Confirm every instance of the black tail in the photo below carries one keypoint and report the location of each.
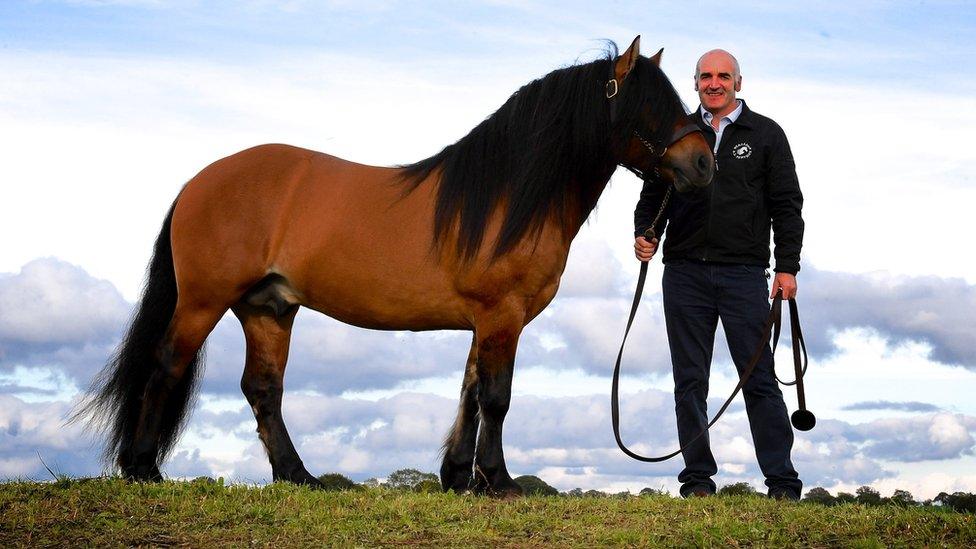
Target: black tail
(115, 399)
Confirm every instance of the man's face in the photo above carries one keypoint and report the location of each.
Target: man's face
(716, 83)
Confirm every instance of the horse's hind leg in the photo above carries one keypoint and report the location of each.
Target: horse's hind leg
(267, 330)
(497, 341)
(168, 391)
(460, 442)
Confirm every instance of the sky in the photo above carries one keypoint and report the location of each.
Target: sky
(108, 107)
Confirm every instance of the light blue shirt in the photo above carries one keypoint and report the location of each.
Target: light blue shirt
(726, 120)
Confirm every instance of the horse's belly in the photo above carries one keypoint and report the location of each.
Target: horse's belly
(384, 299)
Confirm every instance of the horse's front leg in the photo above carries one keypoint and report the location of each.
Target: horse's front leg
(460, 442)
(497, 341)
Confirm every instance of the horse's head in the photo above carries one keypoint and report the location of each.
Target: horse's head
(652, 130)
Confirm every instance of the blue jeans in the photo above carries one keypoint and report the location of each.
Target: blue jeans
(696, 296)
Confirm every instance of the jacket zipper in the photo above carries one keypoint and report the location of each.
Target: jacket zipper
(711, 191)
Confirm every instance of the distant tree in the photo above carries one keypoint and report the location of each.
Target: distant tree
(653, 492)
(959, 501)
(575, 493)
(845, 497)
(594, 494)
(336, 482)
(868, 496)
(408, 479)
(903, 498)
(372, 482)
(737, 489)
(621, 495)
(820, 495)
(965, 502)
(535, 486)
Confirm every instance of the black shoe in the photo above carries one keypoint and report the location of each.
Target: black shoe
(783, 494)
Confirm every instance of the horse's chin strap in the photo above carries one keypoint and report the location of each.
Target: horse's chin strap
(802, 419)
(641, 175)
(657, 156)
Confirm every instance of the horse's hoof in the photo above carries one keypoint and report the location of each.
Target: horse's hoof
(300, 477)
(506, 490)
(456, 478)
(502, 488)
(142, 473)
(479, 485)
(459, 486)
(312, 482)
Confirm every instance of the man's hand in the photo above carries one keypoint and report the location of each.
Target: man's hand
(643, 249)
(787, 282)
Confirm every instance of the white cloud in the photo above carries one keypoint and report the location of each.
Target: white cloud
(928, 485)
(53, 302)
(592, 270)
(567, 441)
(34, 434)
(592, 329)
(929, 437)
(38, 384)
(949, 431)
(929, 309)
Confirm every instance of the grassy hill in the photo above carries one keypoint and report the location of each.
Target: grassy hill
(113, 512)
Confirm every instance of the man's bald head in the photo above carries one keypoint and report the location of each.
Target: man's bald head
(718, 53)
(717, 79)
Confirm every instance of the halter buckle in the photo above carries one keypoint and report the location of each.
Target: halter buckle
(611, 88)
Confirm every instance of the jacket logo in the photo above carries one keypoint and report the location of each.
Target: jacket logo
(742, 150)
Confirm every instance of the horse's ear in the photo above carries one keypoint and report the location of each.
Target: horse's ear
(626, 62)
(656, 58)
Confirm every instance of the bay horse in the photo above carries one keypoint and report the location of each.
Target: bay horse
(474, 238)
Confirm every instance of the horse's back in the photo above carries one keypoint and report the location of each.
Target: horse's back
(347, 238)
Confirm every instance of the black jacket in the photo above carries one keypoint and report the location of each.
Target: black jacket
(754, 189)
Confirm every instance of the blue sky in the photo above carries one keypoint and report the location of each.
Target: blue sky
(106, 108)
(916, 43)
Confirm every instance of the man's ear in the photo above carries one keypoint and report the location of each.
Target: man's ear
(656, 58)
(625, 63)
(738, 84)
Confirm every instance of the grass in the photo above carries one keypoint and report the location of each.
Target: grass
(112, 512)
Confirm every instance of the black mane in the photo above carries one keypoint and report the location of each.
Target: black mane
(544, 151)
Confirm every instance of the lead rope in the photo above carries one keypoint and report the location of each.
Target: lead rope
(802, 419)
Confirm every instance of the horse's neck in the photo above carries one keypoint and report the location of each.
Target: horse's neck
(578, 211)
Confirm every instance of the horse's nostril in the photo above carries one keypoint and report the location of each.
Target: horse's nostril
(702, 163)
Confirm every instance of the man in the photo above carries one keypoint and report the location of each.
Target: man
(715, 256)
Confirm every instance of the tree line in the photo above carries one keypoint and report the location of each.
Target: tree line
(418, 481)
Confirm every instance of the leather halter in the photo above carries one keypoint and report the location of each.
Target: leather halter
(612, 89)
(690, 127)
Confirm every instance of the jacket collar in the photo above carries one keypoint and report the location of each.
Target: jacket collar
(746, 119)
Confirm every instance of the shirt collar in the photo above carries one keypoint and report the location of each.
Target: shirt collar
(731, 117)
